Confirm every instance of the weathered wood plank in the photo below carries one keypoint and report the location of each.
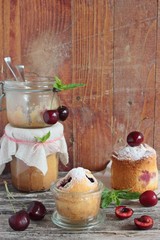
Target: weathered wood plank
(11, 31)
(92, 58)
(6, 11)
(134, 68)
(46, 41)
(157, 102)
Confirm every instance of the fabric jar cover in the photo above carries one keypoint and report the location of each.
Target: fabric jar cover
(22, 144)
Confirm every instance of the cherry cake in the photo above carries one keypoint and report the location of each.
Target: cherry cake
(134, 166)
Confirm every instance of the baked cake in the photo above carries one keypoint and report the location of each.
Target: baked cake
(78, 180)
(77, 196)
(134, 167)
(31, 179)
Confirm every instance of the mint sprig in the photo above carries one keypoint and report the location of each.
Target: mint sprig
(44, 138)
(115, 197)
(58, 85)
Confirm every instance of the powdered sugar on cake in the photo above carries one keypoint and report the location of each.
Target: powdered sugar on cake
(76, 175)
(135, 153)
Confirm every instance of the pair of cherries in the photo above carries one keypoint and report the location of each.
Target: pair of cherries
(144, 222)
(20, 220)
(147, 199)
(53, 116)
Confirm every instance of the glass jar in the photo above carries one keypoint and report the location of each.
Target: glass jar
(31, 179)
(27, 101)
(71, 211)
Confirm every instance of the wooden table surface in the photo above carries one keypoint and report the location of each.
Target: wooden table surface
(112, 228)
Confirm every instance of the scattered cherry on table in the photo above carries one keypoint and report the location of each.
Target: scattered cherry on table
(144, 222)
(19, 221)
(36, 210)
(148, 198)
(123, 212)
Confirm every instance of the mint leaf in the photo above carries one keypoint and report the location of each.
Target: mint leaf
(128, 195)
(60, 86)
(58, 83)
(106, 198)
(115, 197)
(44, 138)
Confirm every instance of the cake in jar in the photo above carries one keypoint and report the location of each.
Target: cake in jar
(77, 196)
(31, 179)
(134, 166)
(34, 155)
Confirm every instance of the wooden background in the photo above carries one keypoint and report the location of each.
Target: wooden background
(113, 46)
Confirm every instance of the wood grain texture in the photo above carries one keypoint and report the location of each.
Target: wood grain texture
(46, 41)
(134, 68)
(111, 229)
(5, 25)
(111, 46)
(157, 102)
(92, 64)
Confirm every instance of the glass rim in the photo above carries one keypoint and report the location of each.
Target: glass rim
(29, 86)
(54, 189)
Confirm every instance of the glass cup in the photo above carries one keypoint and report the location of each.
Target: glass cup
(77, 210)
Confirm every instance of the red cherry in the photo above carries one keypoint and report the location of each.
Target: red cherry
(36, 210)
(148, 198)
(144, 222)
(123, 212)
(51, 116)
(135, 138)
(63, 113)
(19, 221)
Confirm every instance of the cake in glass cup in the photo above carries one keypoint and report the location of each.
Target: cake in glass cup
(77, 197)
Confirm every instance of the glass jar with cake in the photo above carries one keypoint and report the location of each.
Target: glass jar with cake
(27, 101)
(34, 155)
(29, 178)
(77, 199)
(35, 103)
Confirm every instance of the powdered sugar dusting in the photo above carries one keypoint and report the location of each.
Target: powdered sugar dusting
(77, 173)
(135, 153)
(77, 176)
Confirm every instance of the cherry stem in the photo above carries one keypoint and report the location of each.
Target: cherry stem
(55, 94)
(9, 195)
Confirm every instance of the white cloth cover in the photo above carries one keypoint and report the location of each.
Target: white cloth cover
(22, 144)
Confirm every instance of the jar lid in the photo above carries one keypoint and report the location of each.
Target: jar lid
(22, 143)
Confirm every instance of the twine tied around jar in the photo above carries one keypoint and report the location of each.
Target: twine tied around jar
(36, 144)
(22, 144)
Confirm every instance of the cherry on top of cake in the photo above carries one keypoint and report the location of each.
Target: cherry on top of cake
(135, 149)
(135, 138)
